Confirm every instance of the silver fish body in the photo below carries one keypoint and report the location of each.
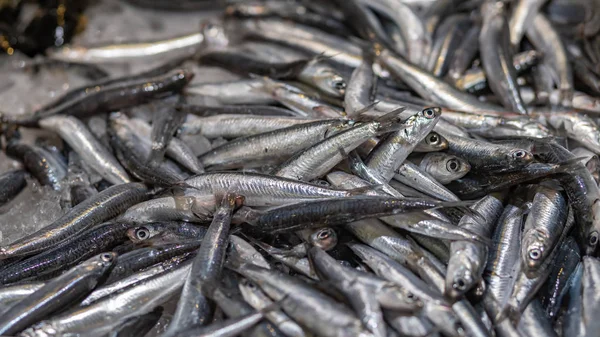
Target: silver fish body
(443, 167)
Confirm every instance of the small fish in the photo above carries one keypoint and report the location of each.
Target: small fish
(11, 184)
(443, 167)
(45, 167)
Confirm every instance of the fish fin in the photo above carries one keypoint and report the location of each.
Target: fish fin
(361, 113)
(391, 121)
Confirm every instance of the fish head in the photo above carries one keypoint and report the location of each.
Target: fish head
(436, 142)
(325, 238)
(329, 81)
(456, 167)
(459, 277)
(142, 233)
(534, 250)
(592, 242)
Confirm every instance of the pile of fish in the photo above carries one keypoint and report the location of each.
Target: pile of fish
(378, 168)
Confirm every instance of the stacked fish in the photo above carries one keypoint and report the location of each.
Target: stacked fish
(380, 168)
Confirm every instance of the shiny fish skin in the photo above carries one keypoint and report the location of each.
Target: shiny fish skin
(76, 134)
(494, 44)
(11, 183)
(100, 207)
(543, 227)
(194, 308)
(522, 18)
(262, 189)
(173, 208)
(166, 231)
(61, 291)
(468, 259)
(360, 89)
(234, 126)
(432, 142)
(66, 254)
(266, 148)
(9, 295)
(106, 314)
(413, 176)
(392, 150)
(40, 163)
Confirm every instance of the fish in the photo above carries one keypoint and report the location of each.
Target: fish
(50, 298)
(12, 182)
(78, 136)
(444, 168)
(40, 163)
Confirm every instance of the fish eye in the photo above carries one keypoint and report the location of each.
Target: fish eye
(142, 233)
(106, 257)
(339, 85)
(535, 254)
(324, 234)
(519, 154)
(593, 239)
(452, 165)
(429, 113)
(460, 284)
(433, 138)
(321, 182)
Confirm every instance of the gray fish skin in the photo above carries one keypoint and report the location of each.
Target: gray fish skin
(193, 307)
(360, 90)
(246, 91)
(591, 284)
(307, 306)
(234, 126)
(56, 294)
(101, 207)
(165, 123)
(40, 163)
(468, 259)
(228, 328)
(503, 259)
(320, 158)
(168, 232)
(535, 323)
(573, 317)
(494, 45)
(556, 288)
(176, 148)
(543, 228)
(325, 238)
(137, 278)
(297, 262)
(432, 88)
(269, 148)
(361, 299)
(392, 150)
(261, 189)
(9, 295)
(103, 316)
(11, 183)
(358, 167)
(78, 180)
(323, 77)
(241, 252)
(76, 134)
(172, 208)
(522, 18)
(413, 176)
(542, 34)
(486, 156)
(444, 167)
(259, 300)
(464, 55)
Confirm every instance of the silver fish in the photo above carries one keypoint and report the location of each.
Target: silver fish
(444, 167)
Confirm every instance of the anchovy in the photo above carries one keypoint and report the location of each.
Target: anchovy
(173, 208)
(240, 252)
(443, 167)
(131, 280)
(10, 295)
(494, 44)
(115, 96)
(77, 135)
(245, 91)
(522, 18)
(392, 150)
(260, 110)
(54, 295)
(271, 147)
(360, 90)
(307, 306)
(46, 168)
(331, 212)
(259, 300)
(358, 167)
(297, 262)
(557, 285)
(11, 184)
(468, 259)
(100, 207)
(543, 227)
(193, 307)
(503, 258)
(104, 315)
(67, 254)
(164, 125)
(430, 87)
(464, 55)
(413, 176)
(234, 126)
(534, 321)
(138, 326)
(79, 181)
(227, 328)
(138, 259)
